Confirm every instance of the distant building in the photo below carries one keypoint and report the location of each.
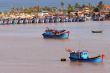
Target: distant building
(106, 9)
(43, 13)
(86, 9)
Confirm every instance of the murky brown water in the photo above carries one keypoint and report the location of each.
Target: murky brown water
(23, 49)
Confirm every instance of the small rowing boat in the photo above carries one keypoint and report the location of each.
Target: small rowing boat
(97, 31)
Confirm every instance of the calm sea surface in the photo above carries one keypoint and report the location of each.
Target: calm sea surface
(23, 49)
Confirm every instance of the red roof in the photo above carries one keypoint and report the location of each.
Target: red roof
(106, 6)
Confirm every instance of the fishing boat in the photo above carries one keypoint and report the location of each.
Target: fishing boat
(83, 56)
(59, 34)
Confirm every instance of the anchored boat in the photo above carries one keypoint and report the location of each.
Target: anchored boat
(83, 56)
(52, 33)
(97, 31)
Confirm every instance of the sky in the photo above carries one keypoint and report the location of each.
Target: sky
(6, 4)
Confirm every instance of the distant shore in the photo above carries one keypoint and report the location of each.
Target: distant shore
(46, 14)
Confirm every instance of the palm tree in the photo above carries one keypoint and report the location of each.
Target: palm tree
(62, 4)
(96, 9)
(100, 5)
(77, 5)
(54, 9)
(90, 5)
(38, 5)
(70, 8)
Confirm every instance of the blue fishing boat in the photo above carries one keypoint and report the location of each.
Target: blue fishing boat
(83, 56)
(46, 20)
(51, 20)
(70, 19)
(62, 20)
(59, 34)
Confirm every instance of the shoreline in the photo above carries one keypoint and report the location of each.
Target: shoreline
(45, 21)
(52, 23)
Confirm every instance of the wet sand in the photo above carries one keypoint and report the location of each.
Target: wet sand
(23, 49)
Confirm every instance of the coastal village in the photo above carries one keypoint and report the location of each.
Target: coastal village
(73, 13)
(54, 36)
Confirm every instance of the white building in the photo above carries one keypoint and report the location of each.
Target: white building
(43, 13)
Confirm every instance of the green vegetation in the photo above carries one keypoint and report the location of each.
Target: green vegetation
(77, 7)
(69, 8)
(99, 7)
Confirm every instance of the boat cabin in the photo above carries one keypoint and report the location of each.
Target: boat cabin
(80, 55)
(54, 31)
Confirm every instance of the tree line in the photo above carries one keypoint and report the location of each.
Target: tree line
(70, 8)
